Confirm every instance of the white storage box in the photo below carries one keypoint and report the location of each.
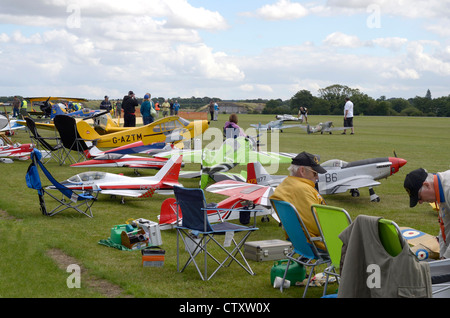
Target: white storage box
(152, 230)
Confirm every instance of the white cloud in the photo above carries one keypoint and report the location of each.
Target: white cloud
(282, 10)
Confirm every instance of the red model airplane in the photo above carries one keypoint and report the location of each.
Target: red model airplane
(242, 196)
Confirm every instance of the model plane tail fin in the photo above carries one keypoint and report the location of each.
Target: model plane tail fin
(86, 131)
(170, 171)
(168, 215)
(56, 110)
(256, 174)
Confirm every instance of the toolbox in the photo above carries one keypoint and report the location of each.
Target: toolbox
(153, 256)
(269, 250)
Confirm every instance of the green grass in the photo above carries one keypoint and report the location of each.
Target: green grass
(27, 271)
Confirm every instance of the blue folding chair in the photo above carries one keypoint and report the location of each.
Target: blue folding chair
(307, 253)
(70, 199)
(196, 232)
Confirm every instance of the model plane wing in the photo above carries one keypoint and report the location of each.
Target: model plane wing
(240, 191)
(348, 184)
(126, 193)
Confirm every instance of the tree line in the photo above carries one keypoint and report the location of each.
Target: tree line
(331, 101)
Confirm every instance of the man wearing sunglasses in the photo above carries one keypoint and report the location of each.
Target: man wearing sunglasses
(299, 190)
(422, 186)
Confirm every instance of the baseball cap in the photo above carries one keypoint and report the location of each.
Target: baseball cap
(130, 93)
(413, 182)
(309, 160)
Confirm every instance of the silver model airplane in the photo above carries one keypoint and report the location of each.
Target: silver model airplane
(326, 127)
(275, 125)
(341, 176)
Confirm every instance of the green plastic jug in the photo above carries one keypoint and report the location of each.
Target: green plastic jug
(296, 272)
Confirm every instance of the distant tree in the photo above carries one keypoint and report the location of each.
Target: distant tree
(301, 98)
(428, 94)
(271, 106)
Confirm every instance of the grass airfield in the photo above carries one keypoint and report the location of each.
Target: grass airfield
(36, 250)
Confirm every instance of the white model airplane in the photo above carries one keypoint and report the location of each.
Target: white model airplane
(119, 185)
(287, 117)
(275, 125)
(341, 176)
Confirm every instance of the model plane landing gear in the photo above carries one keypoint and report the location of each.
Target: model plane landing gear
(354, 192)
(265, 219)
(373, 196)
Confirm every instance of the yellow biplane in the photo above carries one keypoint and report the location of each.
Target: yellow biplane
(169, 129)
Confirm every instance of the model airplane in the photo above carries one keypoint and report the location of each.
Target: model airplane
(105, 124)
(120, 160)
(240, 150)
(8, 125)
(341, 176)
(17, 151)
(45, 103)
(287, 117)
(119, 185)
(423, 245)
(242, 197)
(274, 125)
(326, 127)
(168, 129)
(82, 113)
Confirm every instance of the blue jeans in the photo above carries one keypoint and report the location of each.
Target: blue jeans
(147, 119)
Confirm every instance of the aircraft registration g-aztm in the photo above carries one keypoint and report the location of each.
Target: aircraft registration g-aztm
(169, 129)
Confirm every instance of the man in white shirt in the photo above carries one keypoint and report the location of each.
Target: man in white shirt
(348, 115)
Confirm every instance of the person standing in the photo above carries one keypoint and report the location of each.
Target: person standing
(216, 111)
(423, 186)
(348, 115)
(129, 104)
(303, 114)
(24, 109)
(146, 106)
(165, 108)
(176, 107)
(211, 109)
(16, 106)
(106, 104)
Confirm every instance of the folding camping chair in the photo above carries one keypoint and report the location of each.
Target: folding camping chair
(56, 149)
(71, 140)
(195, 223)
(391, 236)
(303, 244)
(70, 199)
(331, 221)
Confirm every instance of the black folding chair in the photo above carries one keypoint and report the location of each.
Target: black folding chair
(55, 149)
(70, 199)
(70, 138)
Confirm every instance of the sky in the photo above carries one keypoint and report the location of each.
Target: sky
(245, 49)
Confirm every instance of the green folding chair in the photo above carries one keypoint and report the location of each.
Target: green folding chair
(390, 236)
(331, 221)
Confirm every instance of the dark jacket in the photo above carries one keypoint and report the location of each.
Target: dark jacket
(129, 104)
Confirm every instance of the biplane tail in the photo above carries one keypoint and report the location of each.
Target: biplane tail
(56, 110)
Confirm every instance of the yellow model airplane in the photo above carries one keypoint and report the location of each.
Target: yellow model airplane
(169, 129)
